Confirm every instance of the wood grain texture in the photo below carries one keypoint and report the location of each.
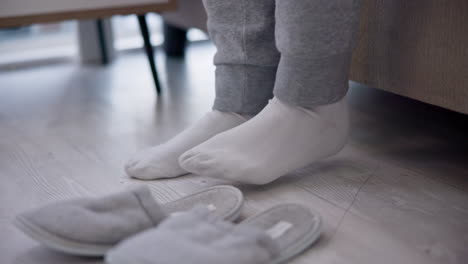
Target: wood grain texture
(397, 193)
(416, 49)
(394, 197)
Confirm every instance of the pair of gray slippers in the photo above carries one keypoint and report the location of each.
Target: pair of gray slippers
(132, 228)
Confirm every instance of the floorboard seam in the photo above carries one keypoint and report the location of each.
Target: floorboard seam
(354, 199)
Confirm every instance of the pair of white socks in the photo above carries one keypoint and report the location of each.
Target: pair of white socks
(257, 150)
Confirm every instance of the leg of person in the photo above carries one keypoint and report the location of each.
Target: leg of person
(307, 120)
(246, 63)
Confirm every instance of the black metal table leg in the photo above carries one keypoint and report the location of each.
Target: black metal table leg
(102, 41)
(149, 50)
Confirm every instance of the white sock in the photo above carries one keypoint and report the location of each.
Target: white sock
(278, 140)
(161, 161)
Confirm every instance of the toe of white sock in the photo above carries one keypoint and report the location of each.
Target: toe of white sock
(189, 161)
(135, 171)
(129, 164)
(197, 163)
(142, 172)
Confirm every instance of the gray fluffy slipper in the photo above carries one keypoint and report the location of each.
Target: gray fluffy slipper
(91, 226)
(271, 237)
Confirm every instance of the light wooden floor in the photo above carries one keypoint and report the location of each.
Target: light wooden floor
(398, 193)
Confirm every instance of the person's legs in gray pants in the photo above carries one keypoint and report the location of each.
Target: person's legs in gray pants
(246, 59)
(307, 120)
(315, 38)
(297, 50)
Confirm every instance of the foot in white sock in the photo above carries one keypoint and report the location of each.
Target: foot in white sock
(161, 161)
(278, 140)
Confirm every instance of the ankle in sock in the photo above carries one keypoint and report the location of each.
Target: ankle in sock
(278, 140)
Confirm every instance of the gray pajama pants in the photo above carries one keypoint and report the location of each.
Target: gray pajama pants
(296, 50)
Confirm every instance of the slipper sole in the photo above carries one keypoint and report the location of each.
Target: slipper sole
(58, 243)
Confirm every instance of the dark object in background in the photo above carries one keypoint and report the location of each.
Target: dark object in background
(175, 40)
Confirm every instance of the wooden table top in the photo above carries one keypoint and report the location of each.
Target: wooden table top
(23, 12)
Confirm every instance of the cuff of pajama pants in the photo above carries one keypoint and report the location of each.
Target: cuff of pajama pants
(312, 82)
(243, 89)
